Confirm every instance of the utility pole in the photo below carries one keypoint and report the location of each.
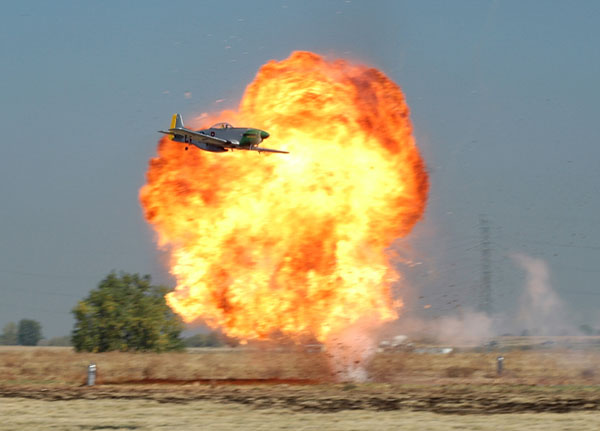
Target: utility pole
(485, 294)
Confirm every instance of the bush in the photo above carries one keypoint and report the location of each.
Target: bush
(203, 340)
(9, 334)
(126, 312)
(63, 341)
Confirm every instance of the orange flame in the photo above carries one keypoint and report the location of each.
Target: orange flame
(295, 243)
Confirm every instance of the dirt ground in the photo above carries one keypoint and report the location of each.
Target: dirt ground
(123, 414)
(328, 398)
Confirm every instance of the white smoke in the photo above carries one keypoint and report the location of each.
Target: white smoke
(469, 327)
(465, 328)
(350, 351)
(540, 308)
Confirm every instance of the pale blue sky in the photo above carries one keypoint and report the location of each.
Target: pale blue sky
(503, 96)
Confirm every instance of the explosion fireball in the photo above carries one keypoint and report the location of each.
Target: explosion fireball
(265, 245)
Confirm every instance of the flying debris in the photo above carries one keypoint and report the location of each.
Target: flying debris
(219, 138)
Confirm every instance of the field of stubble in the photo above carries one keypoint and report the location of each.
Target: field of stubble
(222, 389)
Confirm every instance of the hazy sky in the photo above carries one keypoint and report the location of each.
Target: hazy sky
(503, 97)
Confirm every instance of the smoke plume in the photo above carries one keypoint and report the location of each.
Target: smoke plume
(541, 310)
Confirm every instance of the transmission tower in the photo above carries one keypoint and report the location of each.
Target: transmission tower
(485, 294)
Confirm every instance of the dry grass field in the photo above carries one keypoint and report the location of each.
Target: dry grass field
(82, 415)
(62, 366)
(43, 388)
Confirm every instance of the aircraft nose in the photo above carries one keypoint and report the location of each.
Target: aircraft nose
(264, 135)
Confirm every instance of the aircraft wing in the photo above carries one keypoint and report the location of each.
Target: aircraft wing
(267, 150)
(206, 139)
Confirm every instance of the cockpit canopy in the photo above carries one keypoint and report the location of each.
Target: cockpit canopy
(222, 126)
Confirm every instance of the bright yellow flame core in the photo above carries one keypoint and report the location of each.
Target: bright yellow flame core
(292, 244)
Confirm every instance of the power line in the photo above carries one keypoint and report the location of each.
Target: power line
(556, 244)
(485, 300)
(44, 275)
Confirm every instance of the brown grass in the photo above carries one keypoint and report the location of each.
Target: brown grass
(557, 367)
(61, 365)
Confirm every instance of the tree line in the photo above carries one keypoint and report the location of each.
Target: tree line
(125, 312)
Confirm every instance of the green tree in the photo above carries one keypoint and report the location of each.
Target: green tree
(126, 312)
(9, 334)
(29, 332)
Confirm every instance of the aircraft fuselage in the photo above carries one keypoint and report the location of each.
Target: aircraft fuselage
(239, 137)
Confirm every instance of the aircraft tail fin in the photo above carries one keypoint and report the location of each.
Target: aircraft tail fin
(176, 122)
